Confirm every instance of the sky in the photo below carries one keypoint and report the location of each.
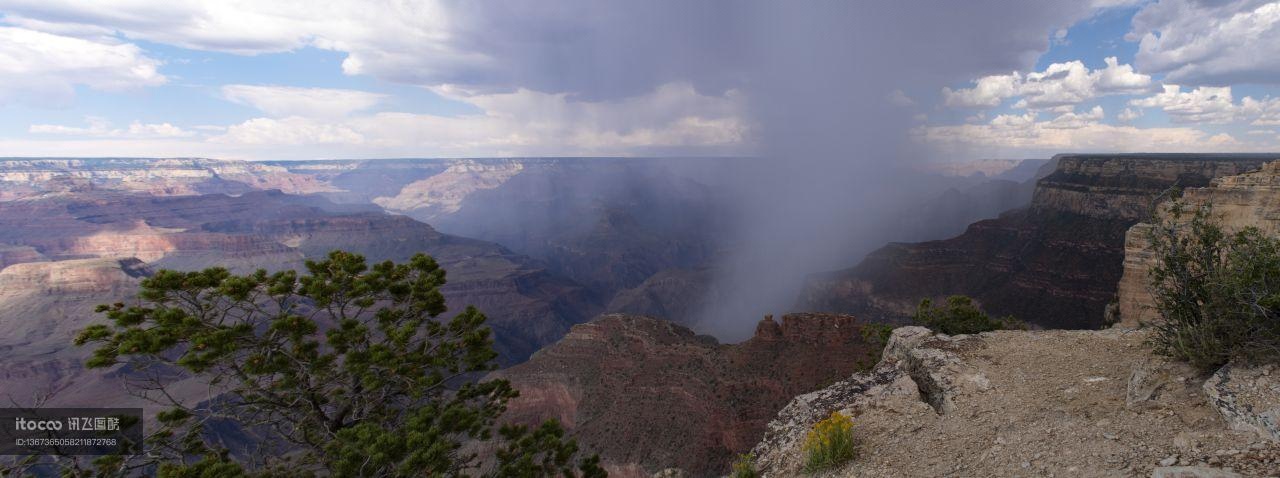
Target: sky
(401, 78)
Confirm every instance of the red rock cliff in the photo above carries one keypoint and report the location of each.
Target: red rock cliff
(645, 393)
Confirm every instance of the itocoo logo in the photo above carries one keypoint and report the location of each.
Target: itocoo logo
(23, 424)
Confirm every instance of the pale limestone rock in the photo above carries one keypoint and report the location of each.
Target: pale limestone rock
(671, 473)
(1248, 398)
(1125, 195)
(1245, 200)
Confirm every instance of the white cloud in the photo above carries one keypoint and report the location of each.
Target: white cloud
(155, 130)
(1216, 43)
(293, 130)
(282, 101)
(546, 47)
(595, 49)
(1079, 132)
(1208, 104)
(1201, 105)
(1060, 84)
(1264, 112)
(101, 128)
(674, 117)
(1129, 114)
(987, 91)
(1073, 120)
(1117, 78)
(42, 68)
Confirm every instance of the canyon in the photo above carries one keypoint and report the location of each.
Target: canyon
(1053, 264)
(648, 394)
(527, 306)
(592, 273)
(641, 235)
(1056, 402)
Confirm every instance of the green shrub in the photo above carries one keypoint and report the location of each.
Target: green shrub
(745, 467)
(877, 337)
(1218, 292)
(829, 444)
(960, 316)
(349, 370)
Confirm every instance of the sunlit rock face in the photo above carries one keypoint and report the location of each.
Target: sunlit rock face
(445, 192)
(1054, 264)
(1244, 200)
(647, 394)
(158, 177)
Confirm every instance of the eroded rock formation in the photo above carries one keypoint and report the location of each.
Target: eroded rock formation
(43, 305)
(647, 394)
(20, 177)
(1055, 264)
(1245, 200)
(527, 306)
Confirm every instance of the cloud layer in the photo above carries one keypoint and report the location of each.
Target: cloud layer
(660, 77)
(44, 68)
(1205, 42)
(1058, 85)
(282, 101)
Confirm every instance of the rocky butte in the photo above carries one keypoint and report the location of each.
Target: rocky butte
(1054, 264)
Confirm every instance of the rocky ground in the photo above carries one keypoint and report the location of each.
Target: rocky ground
(1037, 404)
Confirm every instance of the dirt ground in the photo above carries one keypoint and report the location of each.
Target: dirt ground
(1034, 404)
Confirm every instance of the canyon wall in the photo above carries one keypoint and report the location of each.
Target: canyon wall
(21, 177)
(647, 394)
(1054, 264)
(528, 307)
(1244, 200)
(43, 305)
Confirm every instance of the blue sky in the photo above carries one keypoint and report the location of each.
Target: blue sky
(353, 79)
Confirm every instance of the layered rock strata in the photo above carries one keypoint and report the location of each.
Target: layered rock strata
(1054, 264)
(527, 306)
(647, 394)
(1246, 200)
